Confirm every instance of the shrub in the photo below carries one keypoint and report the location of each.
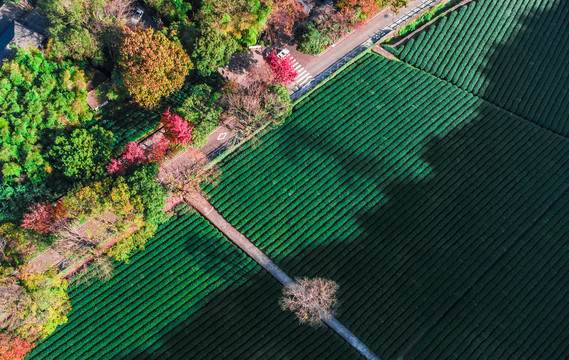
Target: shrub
(282, 68)
(177, 130)
(311, 299)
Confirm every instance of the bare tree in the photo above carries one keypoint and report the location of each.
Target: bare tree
(71, 239)
(3, 243)
(311, 299)
(184, 178)
(257, 101)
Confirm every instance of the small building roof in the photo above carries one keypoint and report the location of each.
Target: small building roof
(18, 35)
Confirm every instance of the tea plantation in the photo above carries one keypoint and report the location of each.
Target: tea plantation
(433, 188)
(515, 54)
(190, 295)
(406, 190)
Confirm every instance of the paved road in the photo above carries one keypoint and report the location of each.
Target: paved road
(316, 64)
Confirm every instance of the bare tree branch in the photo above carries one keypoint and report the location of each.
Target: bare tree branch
(311, 299)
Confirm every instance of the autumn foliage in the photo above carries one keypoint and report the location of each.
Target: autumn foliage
(282, 68)
(13, 347)
(365, 9)
(158, 149)
(283, 17)
(177, 130)
(152, 66)
(134, 153)
(311, 299)
(41, 217)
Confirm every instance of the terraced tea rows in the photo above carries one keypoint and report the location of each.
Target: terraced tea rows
(190, 294)
(399, 186)
(133, 123)
(512, 53)
(527, 290)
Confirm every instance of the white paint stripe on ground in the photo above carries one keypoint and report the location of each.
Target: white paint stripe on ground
(300, 79)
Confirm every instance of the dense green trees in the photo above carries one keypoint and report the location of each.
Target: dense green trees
(36, 303)
(85, 29)
(242, 20)
(83, 154)
(35, 94)
(201, 108)
(172, 10)
(213, 49)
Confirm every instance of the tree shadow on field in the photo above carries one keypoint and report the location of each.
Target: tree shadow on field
(529, 73)
(244, 321)
(418, 252)
(425, 245)
(241, 62)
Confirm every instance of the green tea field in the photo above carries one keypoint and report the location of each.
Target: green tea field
(401, 187)
(515, 54)
(190, 295)
(526, 290)
(434, 189)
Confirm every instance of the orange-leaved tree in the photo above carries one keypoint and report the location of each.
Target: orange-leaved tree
(152, 66)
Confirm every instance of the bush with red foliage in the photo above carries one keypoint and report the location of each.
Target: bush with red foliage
(116, 166)
(13, 347)
(41, 217)
(281, 67)
(177, 130)
(134, 154)
(158, 149)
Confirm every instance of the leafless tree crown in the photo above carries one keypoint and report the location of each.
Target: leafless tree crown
(311, 299)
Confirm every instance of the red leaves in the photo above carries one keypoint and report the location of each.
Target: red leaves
(13, 348)
(134, 154)
(41, 217)
(177, 130)
(115, 166)
(158, 149)
(282, 68)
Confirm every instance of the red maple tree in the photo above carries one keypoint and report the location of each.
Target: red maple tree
(158, 149)
(13, 347)
(281, 67)
(177, 130)
(134, 153)
(115, 166)
(41, 217)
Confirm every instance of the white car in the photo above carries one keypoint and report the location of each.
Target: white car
(137, 16)
(283, 53)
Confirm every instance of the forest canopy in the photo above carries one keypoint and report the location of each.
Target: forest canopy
(35, 94)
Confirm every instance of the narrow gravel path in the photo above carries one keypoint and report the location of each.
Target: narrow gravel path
(207, 210)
